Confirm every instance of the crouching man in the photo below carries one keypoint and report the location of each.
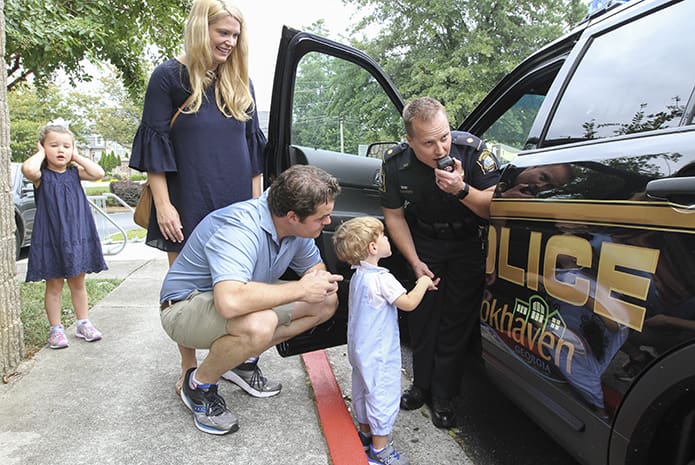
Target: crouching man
(222, 293)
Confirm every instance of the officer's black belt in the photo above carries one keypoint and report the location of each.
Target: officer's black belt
(451, 230)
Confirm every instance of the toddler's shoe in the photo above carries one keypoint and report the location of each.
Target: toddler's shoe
(56, 338)
(87, 332)
(388, 456)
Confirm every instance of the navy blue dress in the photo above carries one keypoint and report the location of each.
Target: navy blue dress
(64, 241)
(209, 159)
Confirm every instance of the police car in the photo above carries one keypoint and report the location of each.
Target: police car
(588, 320)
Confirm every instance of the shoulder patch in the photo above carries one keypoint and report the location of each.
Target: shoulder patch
(466, 139)
(486, 161)
(395, 150)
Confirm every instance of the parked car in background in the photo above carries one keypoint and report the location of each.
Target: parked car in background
(588, 322)
(24, 207)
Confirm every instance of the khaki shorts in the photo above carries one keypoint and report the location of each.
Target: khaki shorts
(195, 323)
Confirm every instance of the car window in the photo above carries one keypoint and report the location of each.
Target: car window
(632, 79)
(507, 136)
(340, 107)
(513, 114)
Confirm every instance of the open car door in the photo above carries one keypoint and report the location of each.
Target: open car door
(332, 107)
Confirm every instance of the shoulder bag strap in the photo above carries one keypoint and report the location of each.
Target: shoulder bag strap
(180, 109)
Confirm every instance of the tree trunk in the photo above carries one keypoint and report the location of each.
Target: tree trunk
(11, 334)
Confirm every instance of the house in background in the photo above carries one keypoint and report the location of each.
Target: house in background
(96, 146)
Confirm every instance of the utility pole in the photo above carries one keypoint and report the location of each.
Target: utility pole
(342, 136)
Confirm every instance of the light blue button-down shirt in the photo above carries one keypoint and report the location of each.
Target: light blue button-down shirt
(236, 243)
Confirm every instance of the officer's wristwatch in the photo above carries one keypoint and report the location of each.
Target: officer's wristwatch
(463, 192)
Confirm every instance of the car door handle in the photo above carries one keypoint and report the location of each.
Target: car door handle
(667, 188)
(376, 180)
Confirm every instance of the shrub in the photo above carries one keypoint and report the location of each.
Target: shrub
(129, 191)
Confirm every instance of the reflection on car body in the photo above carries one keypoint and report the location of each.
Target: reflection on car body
(588, 319)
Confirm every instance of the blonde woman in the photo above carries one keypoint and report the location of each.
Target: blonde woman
(210, 155)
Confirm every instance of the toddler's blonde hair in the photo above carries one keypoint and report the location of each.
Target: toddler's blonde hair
(351, 240)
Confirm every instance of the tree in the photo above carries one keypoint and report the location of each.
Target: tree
(27, 117)
(11, 340)
(106, 109)
(457, 50)
(32, 108)
(339, 106)
(44, 36)
(109, 161)
(117, 115)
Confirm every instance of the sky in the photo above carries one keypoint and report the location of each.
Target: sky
(265, 20)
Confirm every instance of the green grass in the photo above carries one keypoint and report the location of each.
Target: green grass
(132, 234)
(33, 313)
(98, 190)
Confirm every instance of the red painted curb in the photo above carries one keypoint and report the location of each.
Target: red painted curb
(344, 445)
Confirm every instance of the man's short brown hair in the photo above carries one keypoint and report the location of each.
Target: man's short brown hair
(423, 109)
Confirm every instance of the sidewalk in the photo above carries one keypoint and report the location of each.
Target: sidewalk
(113, 401)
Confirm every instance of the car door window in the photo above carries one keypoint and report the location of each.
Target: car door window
(633, 79)
(340, 107)
(507, 124)
(507, 136)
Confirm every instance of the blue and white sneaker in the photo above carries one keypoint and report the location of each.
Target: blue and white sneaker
(210, 413)
(388, 456)
(249, 377)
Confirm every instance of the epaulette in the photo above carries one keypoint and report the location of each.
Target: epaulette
(395, 150)
(467, 139)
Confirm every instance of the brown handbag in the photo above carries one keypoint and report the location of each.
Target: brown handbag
(143, 209)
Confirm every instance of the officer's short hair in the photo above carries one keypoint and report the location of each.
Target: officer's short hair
(351, 240)
(302, 189)
(423, 109)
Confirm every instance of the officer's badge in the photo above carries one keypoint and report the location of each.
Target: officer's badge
(487, 162)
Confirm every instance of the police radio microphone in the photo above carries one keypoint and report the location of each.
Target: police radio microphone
(446, 163)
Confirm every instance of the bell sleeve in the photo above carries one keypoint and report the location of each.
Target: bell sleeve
(152, 149)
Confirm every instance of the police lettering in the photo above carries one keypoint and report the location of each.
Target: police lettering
(617, 272)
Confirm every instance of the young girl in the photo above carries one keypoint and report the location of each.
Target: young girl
(64, 241)
(373, 339)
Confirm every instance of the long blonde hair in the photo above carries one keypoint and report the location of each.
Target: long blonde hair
(232, 90)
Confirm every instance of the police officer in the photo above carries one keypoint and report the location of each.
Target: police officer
(437, 218)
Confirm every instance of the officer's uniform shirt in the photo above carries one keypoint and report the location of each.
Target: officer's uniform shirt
(406, 181)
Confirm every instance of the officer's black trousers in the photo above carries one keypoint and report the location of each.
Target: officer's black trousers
(442, 326)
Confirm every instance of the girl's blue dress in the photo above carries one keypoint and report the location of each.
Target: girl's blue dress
(64, 241)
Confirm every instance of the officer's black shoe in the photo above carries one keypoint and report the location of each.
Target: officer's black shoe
(413, 398)
(443, 414)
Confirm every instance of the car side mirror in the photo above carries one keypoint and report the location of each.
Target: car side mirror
(377, 149)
